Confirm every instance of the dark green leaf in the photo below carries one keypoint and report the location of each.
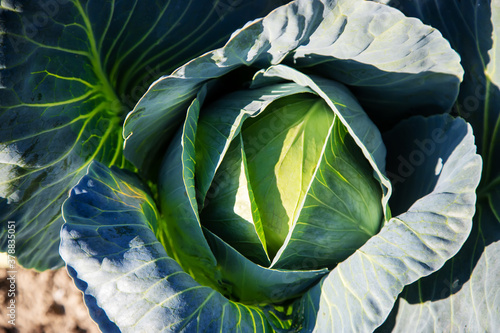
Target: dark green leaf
(70, 70)
(342, 210)
(231, 211)
(181, 231)
(283, 147)
(248, 282)
(58, 112)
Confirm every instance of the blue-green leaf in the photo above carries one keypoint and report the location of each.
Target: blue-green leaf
(294, 27)
(70, 70)
(359, 293)
(389, 61)
(473, 29)
(462, 294)
(109, 245)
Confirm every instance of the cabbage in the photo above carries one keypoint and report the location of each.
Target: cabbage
(311, 174)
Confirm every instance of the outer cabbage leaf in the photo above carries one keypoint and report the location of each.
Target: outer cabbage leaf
(58, 112)
(69, 71)
(472, 27)
(464, 294)
(359, 293)
(109, 245)
(373, 50)
(280, 35)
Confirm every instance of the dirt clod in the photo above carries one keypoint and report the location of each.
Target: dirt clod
(46, 302)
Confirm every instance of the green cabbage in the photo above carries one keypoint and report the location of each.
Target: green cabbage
(303, 176)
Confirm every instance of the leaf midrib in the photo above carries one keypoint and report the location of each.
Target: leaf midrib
(107, 90)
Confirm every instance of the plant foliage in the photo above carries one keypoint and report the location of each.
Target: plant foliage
(314, 170)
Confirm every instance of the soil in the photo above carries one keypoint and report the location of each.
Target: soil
(46, 302)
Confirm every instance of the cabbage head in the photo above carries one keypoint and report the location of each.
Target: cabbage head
(271, 179)
(295, 179)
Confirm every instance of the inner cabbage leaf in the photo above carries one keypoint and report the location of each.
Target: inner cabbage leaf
(296, 149)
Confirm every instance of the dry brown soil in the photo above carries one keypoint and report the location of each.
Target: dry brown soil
(45, 302)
